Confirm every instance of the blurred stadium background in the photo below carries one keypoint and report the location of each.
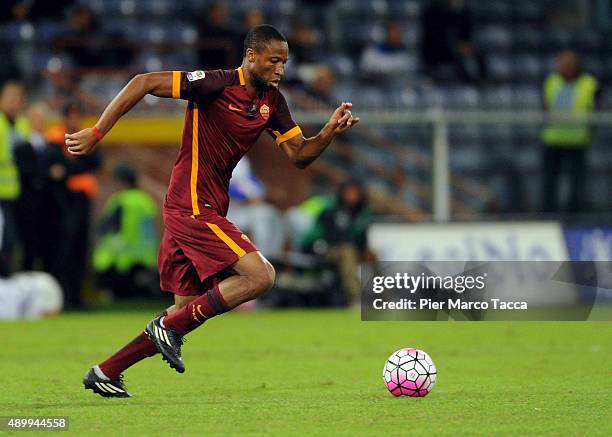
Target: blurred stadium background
(450, 94)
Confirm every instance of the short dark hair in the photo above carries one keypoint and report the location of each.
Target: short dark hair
(260, 36)
(124, 172)
(72, 105)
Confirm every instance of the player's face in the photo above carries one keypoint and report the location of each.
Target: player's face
(269, 64)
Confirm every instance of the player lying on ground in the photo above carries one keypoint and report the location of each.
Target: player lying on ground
(206, 261)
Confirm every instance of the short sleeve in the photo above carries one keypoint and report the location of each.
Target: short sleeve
(281, 125)
(194, 85)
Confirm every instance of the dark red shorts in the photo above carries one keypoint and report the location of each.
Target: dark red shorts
(194, 250)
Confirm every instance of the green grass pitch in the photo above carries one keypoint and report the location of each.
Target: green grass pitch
(315, 373)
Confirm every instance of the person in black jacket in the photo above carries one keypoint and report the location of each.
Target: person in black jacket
(77, 173)
(37, 209)
(448, 49)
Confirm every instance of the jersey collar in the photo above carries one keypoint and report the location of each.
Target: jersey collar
(240, 76)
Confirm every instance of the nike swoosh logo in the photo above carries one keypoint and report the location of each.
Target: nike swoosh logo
(233, 108)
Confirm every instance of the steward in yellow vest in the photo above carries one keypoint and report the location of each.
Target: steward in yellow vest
(125, 256)
(568, 92)
(14, 129)
(575, 96)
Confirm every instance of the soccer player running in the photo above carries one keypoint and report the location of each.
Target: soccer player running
(206, 261)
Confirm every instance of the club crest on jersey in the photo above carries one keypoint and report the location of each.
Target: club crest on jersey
(195, 75)
(264, 110)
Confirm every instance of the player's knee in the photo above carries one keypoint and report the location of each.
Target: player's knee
(271, 276)
(264, 280)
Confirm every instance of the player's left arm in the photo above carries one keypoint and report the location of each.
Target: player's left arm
(303, 151)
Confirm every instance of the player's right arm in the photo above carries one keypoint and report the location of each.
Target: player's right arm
(158, 84)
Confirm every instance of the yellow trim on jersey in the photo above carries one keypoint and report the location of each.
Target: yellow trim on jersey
(194, 162)
(227, 239)
(176, 84)
(240, 75)
(287, 135)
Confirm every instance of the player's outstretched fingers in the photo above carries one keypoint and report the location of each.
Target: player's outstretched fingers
(342, 120)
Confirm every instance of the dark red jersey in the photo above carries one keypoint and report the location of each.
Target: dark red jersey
(221, 124)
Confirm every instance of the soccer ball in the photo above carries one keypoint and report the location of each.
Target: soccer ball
(409, 372)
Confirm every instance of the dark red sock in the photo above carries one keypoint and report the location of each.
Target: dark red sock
(138, 349)
(188, 318)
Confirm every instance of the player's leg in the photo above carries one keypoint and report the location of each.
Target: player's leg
(178, 275)
(254, 275)
(139, 348)
(213, 245)
(105, 378)
(179, 302)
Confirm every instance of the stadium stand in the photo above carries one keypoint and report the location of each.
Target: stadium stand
(518, 40)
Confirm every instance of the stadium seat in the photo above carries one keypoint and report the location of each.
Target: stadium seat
(527, 10)
(587, 41)
(410, 10)
(527, 38)
(557, 39)
(500, 67)
(491, 10)
(606, 69)
(497, 97)
(525, 136)
(593, 65)
(361, 8)
(462, 96)
(606, 100)
(527, 68)
(494, 38)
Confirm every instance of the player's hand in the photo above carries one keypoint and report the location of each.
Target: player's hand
(342, 118)
(81, 142)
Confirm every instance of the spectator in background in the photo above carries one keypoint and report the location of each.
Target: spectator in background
(33, 212)
(305, 54)
(217, 39)
(32, 10)
(118, 52)
(9, 69)
(447, 49)
(82, 39)
(125, 256)
(81, 189)
(321, 85)
(250, 212)
(339, 236)
(252, 17)
(569, 91)
(14, 129)
(301, 219)
(387, 60)
(304, 44)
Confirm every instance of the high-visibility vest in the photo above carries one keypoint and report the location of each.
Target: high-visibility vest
(135, 242)
(571, 133)
(10, 188)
